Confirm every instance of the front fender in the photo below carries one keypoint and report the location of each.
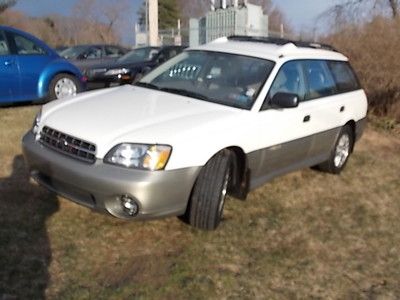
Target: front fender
(57, 66)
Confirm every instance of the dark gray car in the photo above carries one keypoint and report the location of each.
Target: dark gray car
(86, 56)
(130, 67)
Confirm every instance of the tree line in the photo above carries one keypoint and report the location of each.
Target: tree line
(104, 21)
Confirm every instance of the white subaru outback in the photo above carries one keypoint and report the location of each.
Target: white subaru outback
(223, 118)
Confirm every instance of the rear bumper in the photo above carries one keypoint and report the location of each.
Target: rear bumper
(100, 186)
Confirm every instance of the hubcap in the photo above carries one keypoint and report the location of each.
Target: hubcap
(223, 193)
(342, 151)
(65, 87)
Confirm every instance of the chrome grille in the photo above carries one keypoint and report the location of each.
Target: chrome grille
(68, 145)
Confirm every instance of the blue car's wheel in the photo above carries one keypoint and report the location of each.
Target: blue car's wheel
(62, 86)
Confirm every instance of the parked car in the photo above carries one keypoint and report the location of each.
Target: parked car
(130, 67)
(218, 119)
(87, 56)
(32, 71)
(60, 49)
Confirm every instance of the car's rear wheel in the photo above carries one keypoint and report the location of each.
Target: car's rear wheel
(340, 153)
(62, 86)
(209, 193)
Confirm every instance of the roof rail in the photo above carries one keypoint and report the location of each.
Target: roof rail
(280, 41)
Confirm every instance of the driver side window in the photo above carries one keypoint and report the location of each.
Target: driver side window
(26, 46)
(290, 79)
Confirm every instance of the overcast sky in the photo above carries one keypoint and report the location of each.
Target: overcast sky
(300, 13)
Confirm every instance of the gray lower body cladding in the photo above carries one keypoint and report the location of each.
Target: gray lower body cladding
(266, 164)
(100, 186)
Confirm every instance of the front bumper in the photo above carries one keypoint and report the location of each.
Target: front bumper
(100, 186)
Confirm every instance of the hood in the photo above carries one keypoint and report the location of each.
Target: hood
(130, 114)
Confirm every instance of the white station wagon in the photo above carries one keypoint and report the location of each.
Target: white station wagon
(223, 118)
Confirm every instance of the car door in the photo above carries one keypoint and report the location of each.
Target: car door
(9, 73)
(31, 59)
(284, 134)
(326, 107)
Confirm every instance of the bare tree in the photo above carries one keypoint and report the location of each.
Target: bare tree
(394, 5)
(5, 4)
(358, 10)
(92, 22)
(101, 19)
(350, 13)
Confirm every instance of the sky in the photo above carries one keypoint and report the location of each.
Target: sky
(300, 13)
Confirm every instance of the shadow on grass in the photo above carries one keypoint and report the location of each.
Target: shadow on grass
(25, 252)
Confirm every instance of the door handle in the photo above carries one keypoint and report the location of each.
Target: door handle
(8, 63)
(307, 119)
(342, 108)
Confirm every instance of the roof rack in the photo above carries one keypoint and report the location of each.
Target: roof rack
(280, 41)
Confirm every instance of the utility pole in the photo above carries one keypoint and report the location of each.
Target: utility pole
(153, 22)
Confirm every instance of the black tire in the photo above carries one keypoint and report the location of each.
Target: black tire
(209, 192)
(333, 164)
(54, 94)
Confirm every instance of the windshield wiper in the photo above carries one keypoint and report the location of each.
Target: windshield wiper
(185, 93)
(147, 85)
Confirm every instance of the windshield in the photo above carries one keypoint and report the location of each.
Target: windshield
(139, 55)
(72, 52)
(229, 79)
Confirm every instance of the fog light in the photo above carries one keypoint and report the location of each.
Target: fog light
(129, 206)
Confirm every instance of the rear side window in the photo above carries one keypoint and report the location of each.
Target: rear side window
(113, 51)
(91, 53)
(345, 79)
(320, 81)
(26, 46)
(3, 45)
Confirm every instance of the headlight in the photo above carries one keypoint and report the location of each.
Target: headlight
(35, 125)
(117, 71)
(137, 156)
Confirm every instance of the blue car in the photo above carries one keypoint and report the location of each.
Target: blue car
(32, 71)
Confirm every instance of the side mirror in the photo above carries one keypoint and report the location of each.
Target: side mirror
(285, 100)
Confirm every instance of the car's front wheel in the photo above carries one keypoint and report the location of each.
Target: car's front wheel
(62, 86)
(208, 196)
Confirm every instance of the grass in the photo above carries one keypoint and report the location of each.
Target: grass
(307, 235)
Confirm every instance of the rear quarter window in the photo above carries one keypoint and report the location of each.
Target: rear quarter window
(319, 79)
(343, 74)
